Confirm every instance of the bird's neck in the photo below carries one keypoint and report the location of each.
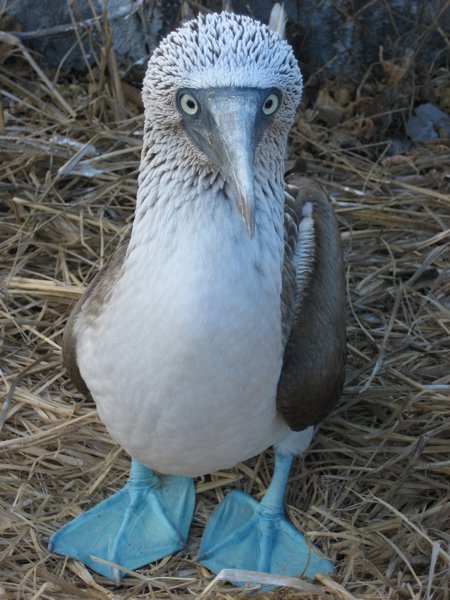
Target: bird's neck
(177, 190)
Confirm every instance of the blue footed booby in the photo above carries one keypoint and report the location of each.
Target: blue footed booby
(218, 329)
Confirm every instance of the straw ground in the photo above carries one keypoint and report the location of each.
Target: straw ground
(373, 491)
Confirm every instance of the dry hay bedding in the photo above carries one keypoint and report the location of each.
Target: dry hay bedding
(373, 491)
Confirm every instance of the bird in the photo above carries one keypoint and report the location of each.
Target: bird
(217, 329)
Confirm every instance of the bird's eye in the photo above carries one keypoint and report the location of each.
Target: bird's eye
(271, 104)
(188, 104)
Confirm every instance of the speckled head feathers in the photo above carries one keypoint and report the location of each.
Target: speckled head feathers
(223, 50)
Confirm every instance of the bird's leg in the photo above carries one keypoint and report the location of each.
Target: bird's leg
(273, 500)
(147, 519)
(244, 534)
(271, 508)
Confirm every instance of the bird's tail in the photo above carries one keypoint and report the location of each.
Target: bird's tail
(278, 18)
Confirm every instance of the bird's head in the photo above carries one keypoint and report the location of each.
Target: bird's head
(226, 87)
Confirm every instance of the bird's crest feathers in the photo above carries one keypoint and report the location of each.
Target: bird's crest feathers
(224, 50)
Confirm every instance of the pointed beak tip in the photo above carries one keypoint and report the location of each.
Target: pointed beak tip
(247, 210)
(250, 227)
(245, 203)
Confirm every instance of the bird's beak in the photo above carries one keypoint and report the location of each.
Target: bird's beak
(233, 118)
(228, 130)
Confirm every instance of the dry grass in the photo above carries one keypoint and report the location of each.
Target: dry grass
(373, 491)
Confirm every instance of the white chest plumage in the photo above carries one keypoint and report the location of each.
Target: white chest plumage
(184, 360)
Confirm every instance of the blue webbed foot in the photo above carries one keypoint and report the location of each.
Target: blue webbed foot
(244, 534)
(147, 519)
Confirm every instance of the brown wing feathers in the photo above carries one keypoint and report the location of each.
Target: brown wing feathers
(90, 303)
(313, 367)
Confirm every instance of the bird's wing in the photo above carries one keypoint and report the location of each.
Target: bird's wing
(88, 306)
(313, 307)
